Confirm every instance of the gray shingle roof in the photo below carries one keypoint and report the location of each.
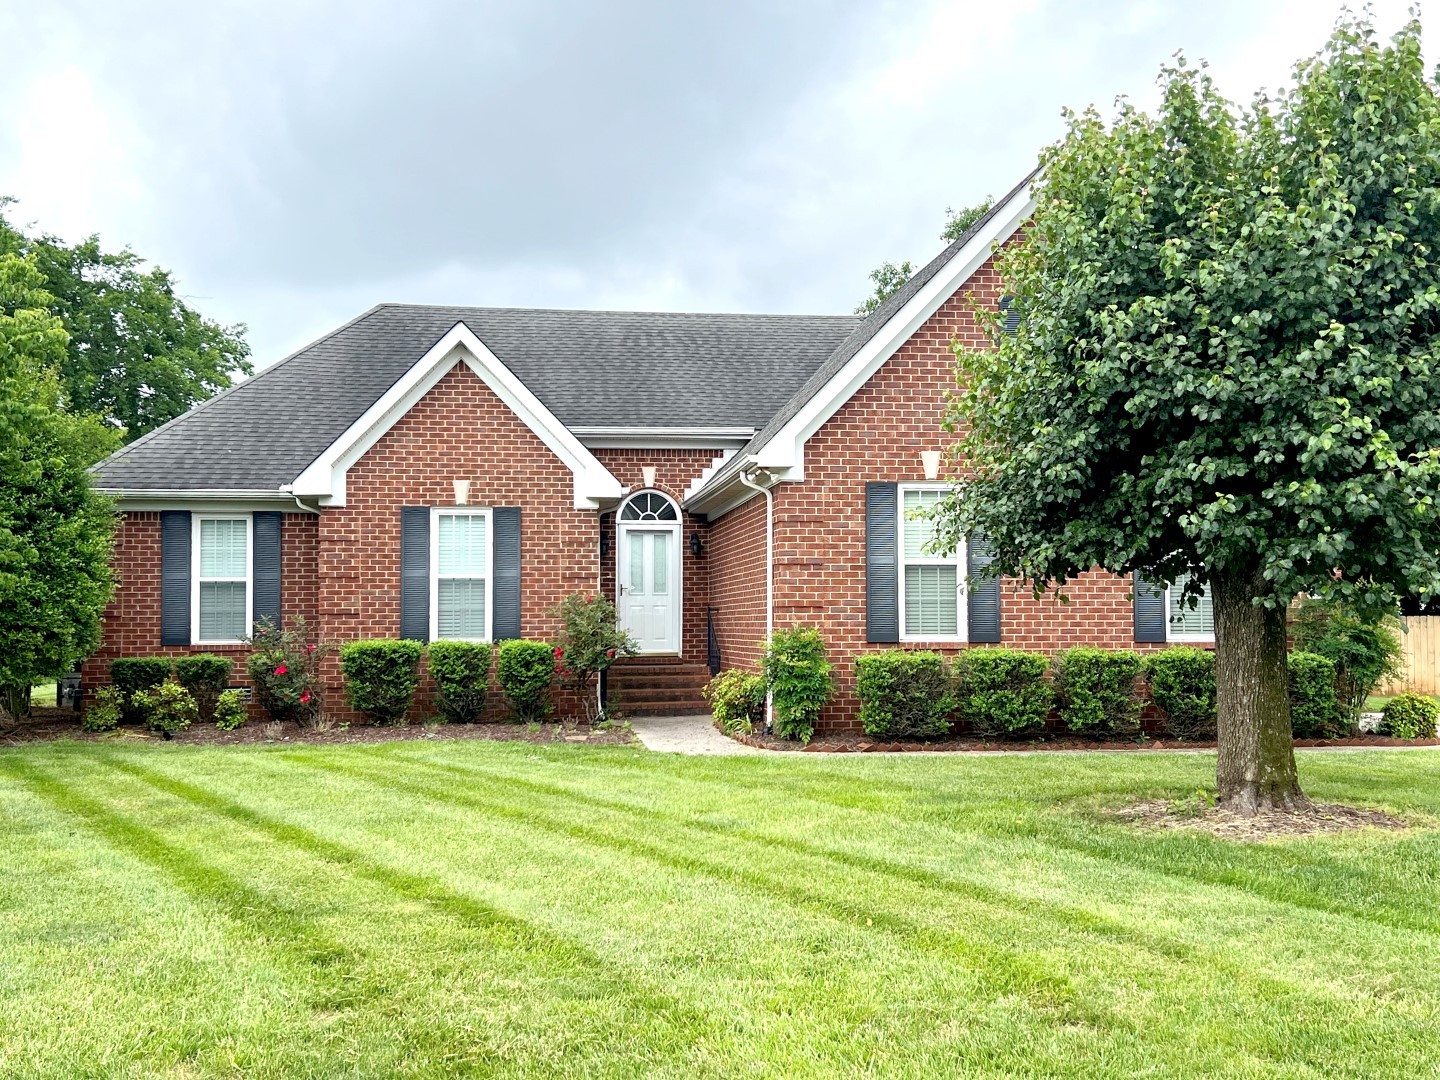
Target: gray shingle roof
(859, 337)
(590, 368)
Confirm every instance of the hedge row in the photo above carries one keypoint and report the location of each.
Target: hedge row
(381, 677)
(999, 693)
(1005, 694)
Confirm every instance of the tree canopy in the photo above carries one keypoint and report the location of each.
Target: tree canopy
(1228, 364)
(54, 531)
(138, 354)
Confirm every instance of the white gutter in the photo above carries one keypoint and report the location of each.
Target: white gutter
(749, 481)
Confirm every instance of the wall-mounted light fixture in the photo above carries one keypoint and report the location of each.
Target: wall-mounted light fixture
(697, 546)
(604, 537)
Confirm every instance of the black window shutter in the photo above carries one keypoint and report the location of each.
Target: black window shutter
(415, 573)
(1150, 613)
(505, 622)
(983, 592)
(1012, 314)
(882, 562)
(175, 577)
(265, 590)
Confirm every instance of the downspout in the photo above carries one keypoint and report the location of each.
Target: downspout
(749, 482)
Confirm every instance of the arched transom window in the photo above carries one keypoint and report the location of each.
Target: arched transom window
(649, 506)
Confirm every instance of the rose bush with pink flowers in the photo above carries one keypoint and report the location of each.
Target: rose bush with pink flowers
(284, 667)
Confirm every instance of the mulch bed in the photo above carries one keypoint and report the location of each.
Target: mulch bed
(857, 742)
(1319, 820)
(46, 726)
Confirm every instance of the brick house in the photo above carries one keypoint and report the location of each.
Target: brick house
(435, 472)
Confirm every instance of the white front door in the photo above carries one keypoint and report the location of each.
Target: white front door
(649, 575)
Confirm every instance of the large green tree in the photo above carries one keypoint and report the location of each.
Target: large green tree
(1228, 366)
(55, 532)
(138, 354)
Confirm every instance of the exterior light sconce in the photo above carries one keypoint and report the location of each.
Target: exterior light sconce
(697, 546)
(604, 537)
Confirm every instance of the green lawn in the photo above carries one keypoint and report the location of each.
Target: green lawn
(434, 909)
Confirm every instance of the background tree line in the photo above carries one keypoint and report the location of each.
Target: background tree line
(95, 350)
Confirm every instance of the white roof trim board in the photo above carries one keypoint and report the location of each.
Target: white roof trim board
(324, 479)
(782, 453)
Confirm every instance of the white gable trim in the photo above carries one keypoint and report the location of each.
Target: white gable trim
(783, 454)
(324, 478)
(786, 448)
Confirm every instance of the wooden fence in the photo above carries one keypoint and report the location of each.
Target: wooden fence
(1421, 643)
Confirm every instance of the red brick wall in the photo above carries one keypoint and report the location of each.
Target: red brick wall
(877, 436)
(131, 624)
(737, 582)
(460, 430)
(675, 470)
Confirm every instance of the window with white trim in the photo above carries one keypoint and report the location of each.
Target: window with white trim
(930, 584)
(1187, 623)
(460, 574)
(222, 564)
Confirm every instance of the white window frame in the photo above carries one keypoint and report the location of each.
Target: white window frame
(961, 559)
(1171, 635)
(195, 531)
(436, 513)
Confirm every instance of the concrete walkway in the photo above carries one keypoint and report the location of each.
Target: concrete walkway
(686, 735)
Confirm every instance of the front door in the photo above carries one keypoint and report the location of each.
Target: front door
(649, 589)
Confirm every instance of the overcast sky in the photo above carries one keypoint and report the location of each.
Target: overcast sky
(294, 163)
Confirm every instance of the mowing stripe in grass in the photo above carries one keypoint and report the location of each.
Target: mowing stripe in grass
(1002, 900)
(528, 938)
(1235, 877)
(1001, 969)
(1018, 972)
(1073, 917)
(1068, 915)
(286, 931)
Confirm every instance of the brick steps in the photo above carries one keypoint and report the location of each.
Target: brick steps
(659, 686)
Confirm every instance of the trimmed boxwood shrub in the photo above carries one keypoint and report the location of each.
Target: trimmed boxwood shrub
(1002, 693)
(1182, 685)
(737, 699)
(798, 678)
(461, 670)
(206, 676)
(1410, 716)
(904, 694)
(525, 670)
(380, 677)
(1314, 711)
(102, 714)
(1096, 693)
(230, 710)
(167, 708)
(133, 675)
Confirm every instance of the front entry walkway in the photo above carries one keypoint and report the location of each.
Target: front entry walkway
(686, 735)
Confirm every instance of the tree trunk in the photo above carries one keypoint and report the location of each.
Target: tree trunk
(14, 704)
(1255, 769)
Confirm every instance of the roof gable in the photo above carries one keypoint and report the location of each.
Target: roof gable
(779, 446)
(324, 478)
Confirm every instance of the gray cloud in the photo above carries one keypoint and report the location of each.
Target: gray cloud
(296, 163)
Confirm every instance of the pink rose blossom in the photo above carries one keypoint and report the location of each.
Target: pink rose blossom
(281, 669)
